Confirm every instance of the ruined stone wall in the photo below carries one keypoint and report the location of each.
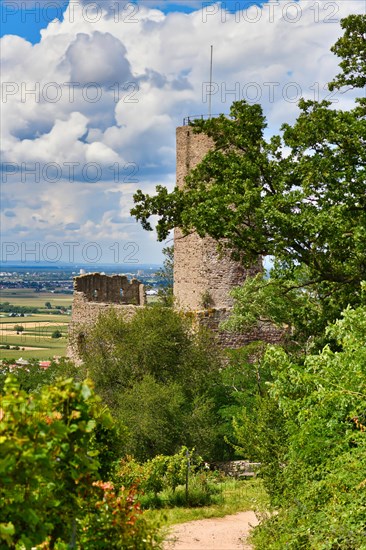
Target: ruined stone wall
(114, 289)
(237, 468)
(212, 318)
(95, 294)
(199, 269)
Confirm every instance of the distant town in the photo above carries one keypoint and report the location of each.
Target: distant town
(59, 280)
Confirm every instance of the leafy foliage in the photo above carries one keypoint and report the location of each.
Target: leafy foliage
(163, 479)
(31, 377)
(323, 474)
(298, 197)
(118, 523)
(159, 472)
(160, 380)
(351, 47)
(254, 423)
(53, 445)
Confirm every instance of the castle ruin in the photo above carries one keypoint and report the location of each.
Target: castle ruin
(203, 276)
(95, 293)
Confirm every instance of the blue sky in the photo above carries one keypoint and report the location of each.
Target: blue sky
(27, 18)
(26, 22)
(91, 100)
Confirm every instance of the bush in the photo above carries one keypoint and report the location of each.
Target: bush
(56, 334)
(160, 472)
(159, 379)
(321, 501)
(53, 446)
(163, 479)
(117, 522)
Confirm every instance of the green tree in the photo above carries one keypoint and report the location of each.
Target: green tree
(321, 503)
(19, 328)
(305, 208)
(48, 305)
(166, 275)
(351, 47)
(160, 380)
(56, 334)
(154, 414)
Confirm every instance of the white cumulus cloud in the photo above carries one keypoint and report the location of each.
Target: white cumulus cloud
(92, 108)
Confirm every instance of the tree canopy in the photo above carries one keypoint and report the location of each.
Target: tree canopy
(299, 197)
(315, 457)
(159, 379)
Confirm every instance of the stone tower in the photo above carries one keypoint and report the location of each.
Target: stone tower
(203, 277)
(199, 270)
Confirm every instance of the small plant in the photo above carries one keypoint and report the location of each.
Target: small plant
(163, 480)
(206, 300)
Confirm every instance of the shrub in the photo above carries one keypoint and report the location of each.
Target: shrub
(323, 403)
(53, 445)
(163, 479)
(117, 521)
(159, 379)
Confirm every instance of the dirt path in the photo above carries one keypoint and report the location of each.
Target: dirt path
(227, 533)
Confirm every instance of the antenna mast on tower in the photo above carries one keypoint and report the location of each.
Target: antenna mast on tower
(210, 92)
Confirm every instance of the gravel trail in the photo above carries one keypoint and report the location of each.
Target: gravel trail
(227, 533)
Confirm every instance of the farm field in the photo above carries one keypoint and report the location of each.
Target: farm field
(28, 297)
(35, 341)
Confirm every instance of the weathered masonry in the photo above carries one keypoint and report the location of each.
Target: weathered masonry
(95, 293)
(203, 277)
(109, 289)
